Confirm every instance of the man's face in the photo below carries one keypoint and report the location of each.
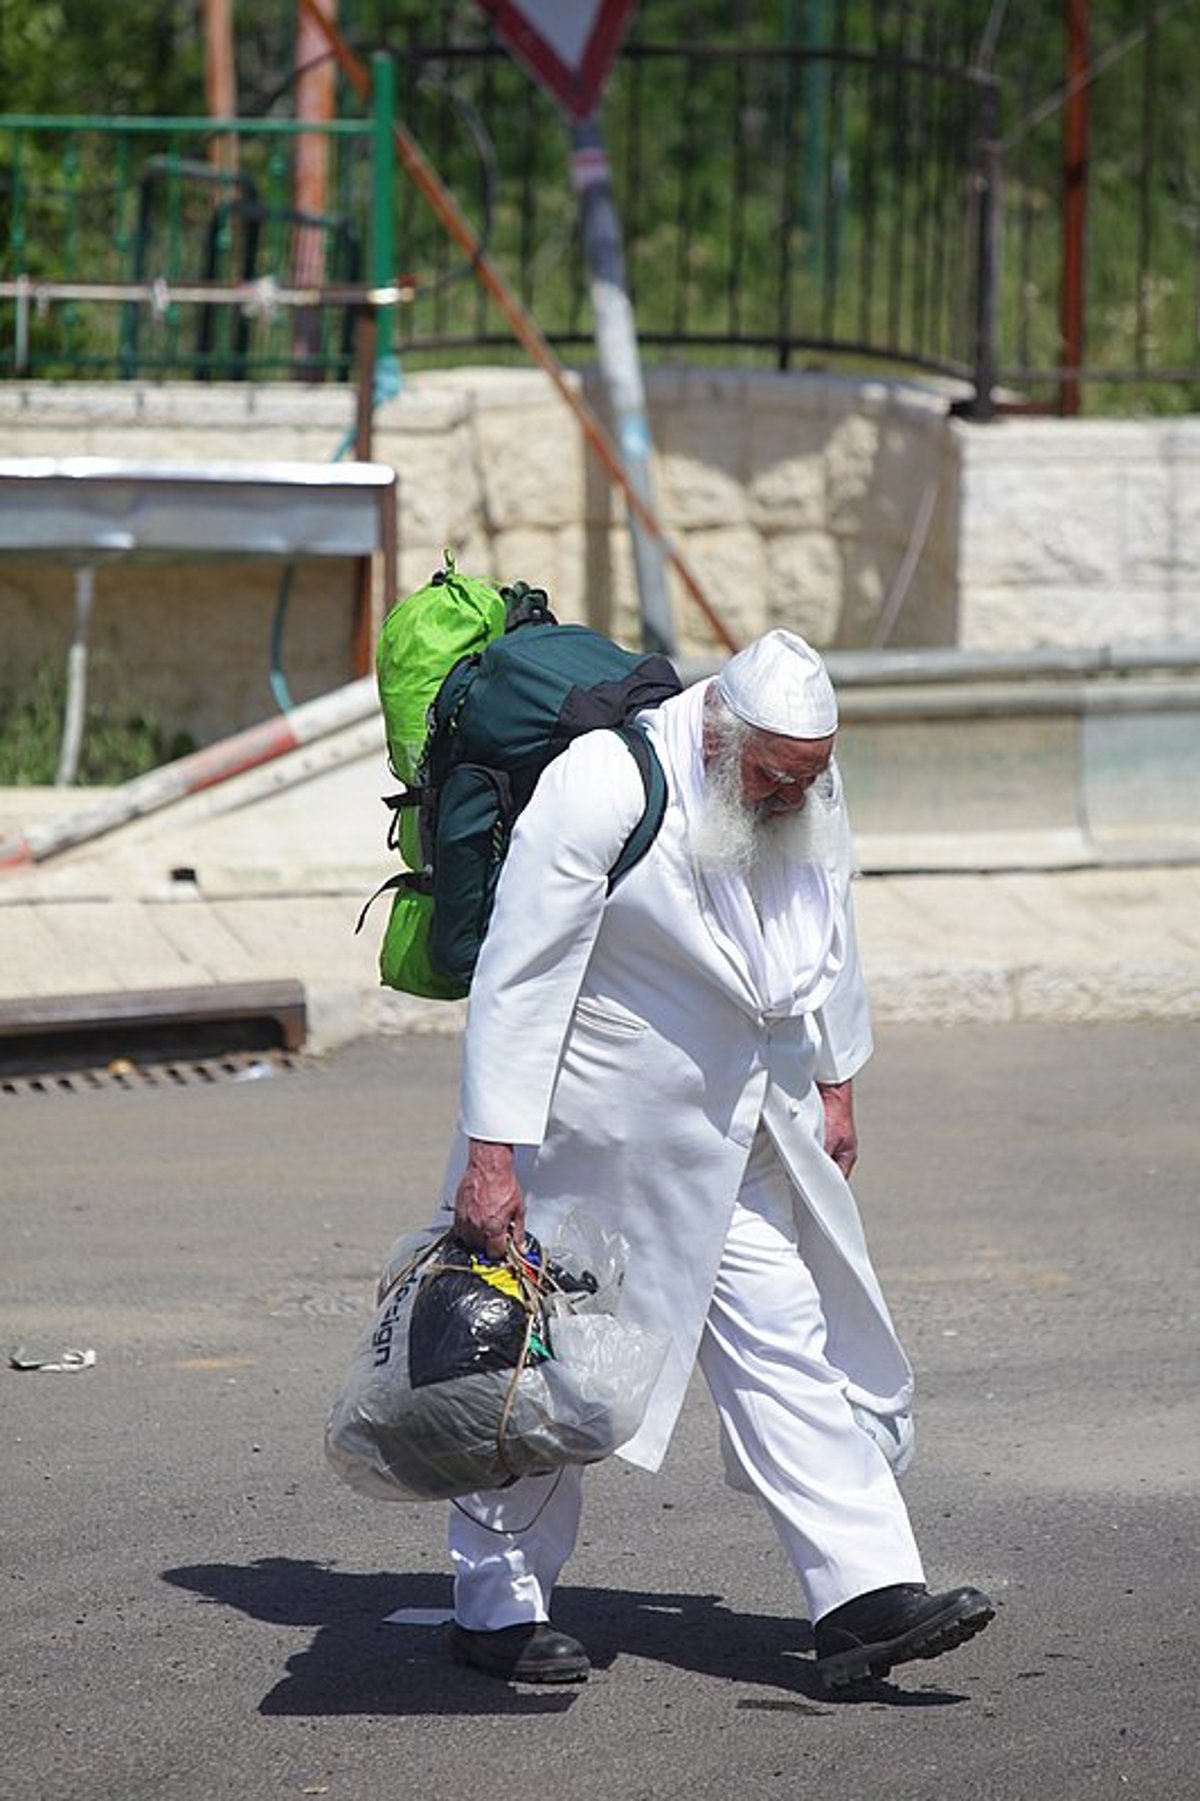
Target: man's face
(776, 773)
(757, 785)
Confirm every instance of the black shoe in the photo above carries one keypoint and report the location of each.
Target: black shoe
(529, 1653)
(861, 1640)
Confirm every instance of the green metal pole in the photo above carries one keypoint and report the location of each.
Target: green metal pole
(383, 191)
(70, 235)
(17, 230)
(17, 257)
(174, 243)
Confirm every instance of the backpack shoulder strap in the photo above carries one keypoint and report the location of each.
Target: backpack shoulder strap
(655, 783)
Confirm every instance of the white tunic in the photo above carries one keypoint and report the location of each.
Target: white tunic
(618, 1040)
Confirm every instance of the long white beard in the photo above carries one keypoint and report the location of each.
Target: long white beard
(730, 838)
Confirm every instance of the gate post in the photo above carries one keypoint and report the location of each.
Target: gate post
(986, 181)
(1076, 127)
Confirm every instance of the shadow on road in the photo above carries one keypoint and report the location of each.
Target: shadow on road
(360, 1663)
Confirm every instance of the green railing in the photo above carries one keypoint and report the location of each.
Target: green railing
(173, 206)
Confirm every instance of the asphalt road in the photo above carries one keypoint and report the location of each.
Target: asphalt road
(193, 1608)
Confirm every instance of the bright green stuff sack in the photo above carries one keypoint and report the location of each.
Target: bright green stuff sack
(404, 961)
(419, 643)
(422, 638)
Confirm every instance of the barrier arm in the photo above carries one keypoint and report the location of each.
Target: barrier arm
(352, 705)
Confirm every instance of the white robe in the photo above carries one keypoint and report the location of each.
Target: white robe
(616, 1041)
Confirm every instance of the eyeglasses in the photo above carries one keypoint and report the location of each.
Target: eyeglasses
(823, 783)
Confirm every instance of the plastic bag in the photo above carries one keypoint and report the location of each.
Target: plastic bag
(473, 1374)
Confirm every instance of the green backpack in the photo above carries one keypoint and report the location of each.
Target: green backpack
(513, 690)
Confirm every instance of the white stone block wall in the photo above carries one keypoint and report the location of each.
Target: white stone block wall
(792, 497)
(855, 511)
(795, 499)
(1079, 532)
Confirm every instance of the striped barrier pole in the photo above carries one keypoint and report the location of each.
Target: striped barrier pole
(192, 774)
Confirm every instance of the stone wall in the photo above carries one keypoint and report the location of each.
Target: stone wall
(797, 499)
(855, 511)
(793, 499)
(1079, 532)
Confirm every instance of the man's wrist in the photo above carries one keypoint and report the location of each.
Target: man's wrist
(487, 1153)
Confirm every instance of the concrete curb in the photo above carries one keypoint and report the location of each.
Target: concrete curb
(1081, 945)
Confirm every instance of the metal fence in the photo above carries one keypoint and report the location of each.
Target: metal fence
(879, 184)
(775, 201)
(146, 203)
(1098, 273)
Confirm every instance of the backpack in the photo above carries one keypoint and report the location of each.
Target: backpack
(503, 710)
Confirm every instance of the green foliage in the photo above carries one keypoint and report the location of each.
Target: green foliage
(764, 199)
(119, 742)
(30, 733)
(84, 56)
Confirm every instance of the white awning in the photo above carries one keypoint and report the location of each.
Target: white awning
(96, 509)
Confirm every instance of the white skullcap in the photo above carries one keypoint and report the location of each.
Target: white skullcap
(780, 684)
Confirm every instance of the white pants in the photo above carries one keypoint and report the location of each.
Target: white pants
(785, 1419)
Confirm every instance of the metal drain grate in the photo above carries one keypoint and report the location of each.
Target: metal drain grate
(180, 1072)
(157, 1038)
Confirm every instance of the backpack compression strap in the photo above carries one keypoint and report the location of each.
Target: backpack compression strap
(655, 784)
(632, 851)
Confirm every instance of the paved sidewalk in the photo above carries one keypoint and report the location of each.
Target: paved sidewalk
(1080, 944)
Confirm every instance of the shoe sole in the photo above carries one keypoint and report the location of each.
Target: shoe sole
(568, 1673)
(870, 1663)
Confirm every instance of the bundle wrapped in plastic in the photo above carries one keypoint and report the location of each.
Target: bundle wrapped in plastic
(476, 1371)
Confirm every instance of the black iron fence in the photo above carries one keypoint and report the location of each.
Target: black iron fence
(983, 191)
(774, 201)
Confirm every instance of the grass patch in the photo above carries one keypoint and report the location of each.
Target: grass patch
(120, 740)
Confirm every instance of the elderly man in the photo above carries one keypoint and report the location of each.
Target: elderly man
(676, 1058)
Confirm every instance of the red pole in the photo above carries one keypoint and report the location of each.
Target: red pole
(1076, 123)
(315, 103)
(220, 79)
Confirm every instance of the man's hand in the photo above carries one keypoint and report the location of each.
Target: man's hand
(489, 1207)
(841, 1138)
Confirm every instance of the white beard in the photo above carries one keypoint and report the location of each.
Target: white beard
(730, 838)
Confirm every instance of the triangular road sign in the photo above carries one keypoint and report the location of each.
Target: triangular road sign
(567, 45)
